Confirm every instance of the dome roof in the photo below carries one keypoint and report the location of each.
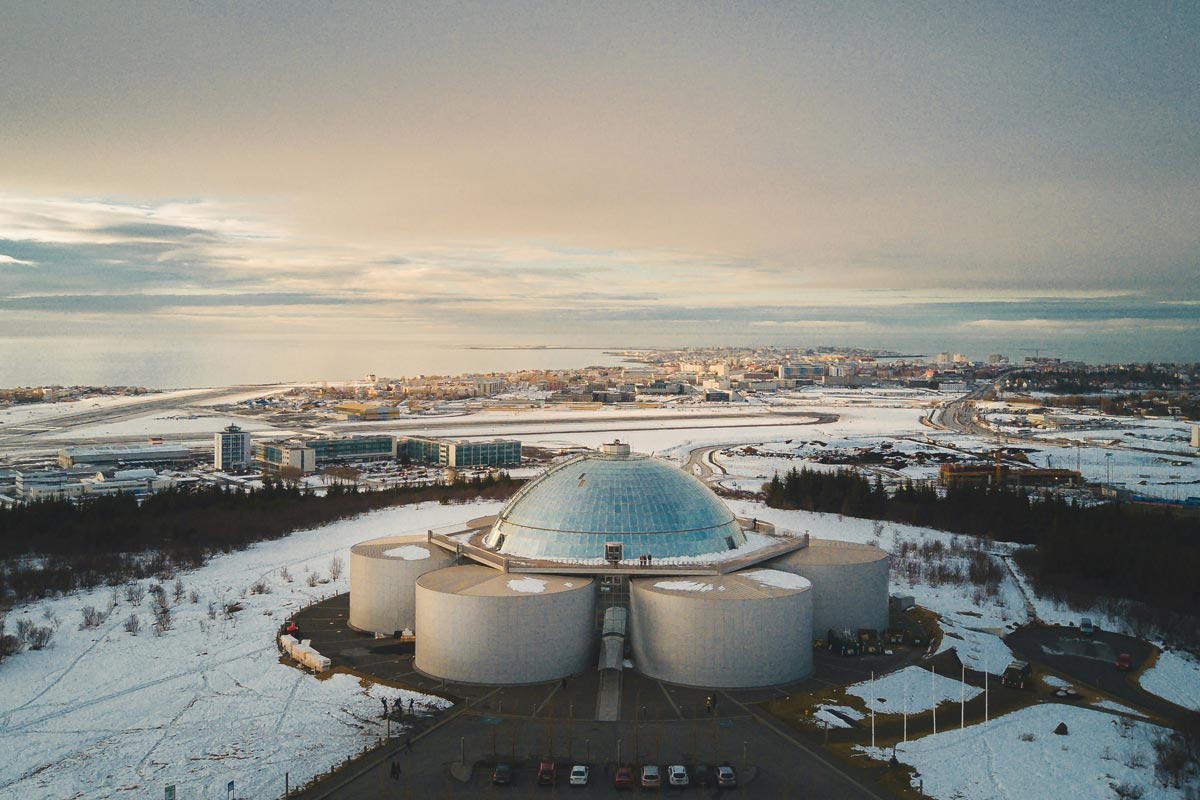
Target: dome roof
(648, 505)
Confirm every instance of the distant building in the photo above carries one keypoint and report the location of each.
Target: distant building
(123, 454)
(461, 453)
(367, 412)
(275, 456)
(353, 448)
(231, 448)
(47, 484)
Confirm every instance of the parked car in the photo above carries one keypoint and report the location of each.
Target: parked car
(1124, 661)
(726, 777)
(1018, 675)
(1086, 627)
(677, 775)
(545, 773)
(702, 775)
(651, 777)
(502, 774)
(623, 779)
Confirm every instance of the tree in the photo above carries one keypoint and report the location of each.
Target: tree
(335, 567)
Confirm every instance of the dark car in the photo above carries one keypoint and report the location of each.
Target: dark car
(1018, 675)
(1086, 627)
(545, 773)
(502, 774)
(623, 779)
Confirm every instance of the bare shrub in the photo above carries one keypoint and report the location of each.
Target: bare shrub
(1171, 758)
(1135, 759)
(287, 576)
(51, 617)
(39, 636)
(1027, 737)
(335, 567)
(260, 587)
(194, 596)
(135, 593)
(312, 579)
(1128, 791)
(178, 592)
(92, 617)
(9, 645)
(133, 624)
(24, 625)
(162, 617)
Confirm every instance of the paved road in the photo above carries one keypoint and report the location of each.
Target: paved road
(1089, 662)
(660, 723)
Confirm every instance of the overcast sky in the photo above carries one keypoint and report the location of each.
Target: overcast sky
(527, 171)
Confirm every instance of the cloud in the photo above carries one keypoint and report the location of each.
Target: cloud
(4, 259)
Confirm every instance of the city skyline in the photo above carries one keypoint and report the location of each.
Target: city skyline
(971, 178)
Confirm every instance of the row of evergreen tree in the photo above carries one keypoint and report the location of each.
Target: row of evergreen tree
(56, 545)
(1144, 554)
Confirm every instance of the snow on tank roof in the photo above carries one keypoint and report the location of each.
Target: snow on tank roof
(834, 551)
(412, 547)
(477, 580)
(736, 586)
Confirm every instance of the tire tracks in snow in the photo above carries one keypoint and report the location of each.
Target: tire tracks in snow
(66, 670)
(291, 696)
(125, 692)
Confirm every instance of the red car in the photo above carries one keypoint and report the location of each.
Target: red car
(623, 779)
(1124, 661)
(545, 773)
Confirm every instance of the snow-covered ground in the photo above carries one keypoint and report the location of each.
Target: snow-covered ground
(101, 713)
(180, 421)
(1018, 757)
(1175, 676)
(911, 690)
(832, 716)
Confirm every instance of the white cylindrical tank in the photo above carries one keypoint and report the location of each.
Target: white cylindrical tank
(383, 578)
(850, 583)
(476, 624)
(744, 630)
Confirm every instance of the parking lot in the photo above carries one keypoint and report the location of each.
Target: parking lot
(1089, 662)
(660, 724)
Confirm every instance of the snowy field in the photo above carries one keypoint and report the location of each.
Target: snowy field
(102, 713)
(47, 413)
(911, 690)
(1175, 677)
(1018, 757)
(181, 421)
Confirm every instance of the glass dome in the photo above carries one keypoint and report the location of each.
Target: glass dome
(648, 505)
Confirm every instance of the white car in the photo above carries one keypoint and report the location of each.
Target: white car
(677, 775)
(579, 775)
